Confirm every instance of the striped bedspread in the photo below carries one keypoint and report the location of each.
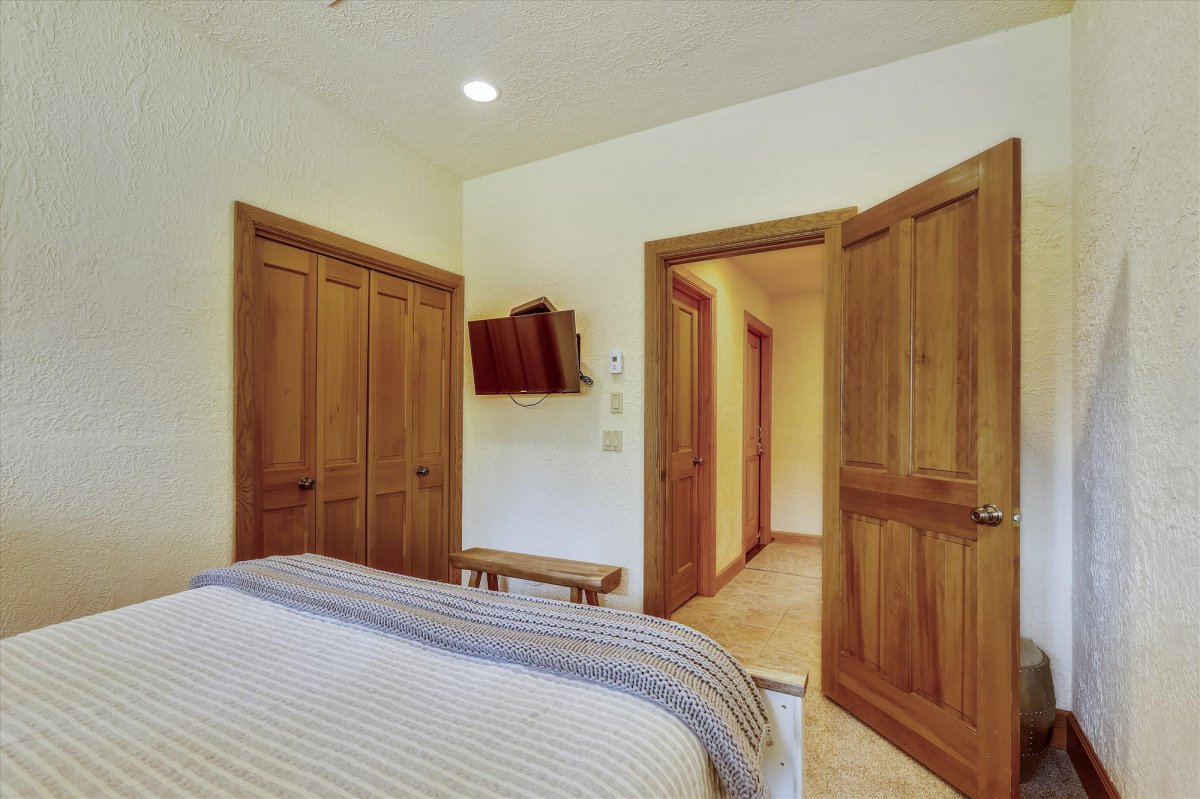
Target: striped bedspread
(670, 665)
(213, 692)
(217, 692)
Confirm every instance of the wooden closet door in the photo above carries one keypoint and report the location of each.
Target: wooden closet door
(341, 400)
(285, 365)
(390, 474)
(346, 380)
(429, 547)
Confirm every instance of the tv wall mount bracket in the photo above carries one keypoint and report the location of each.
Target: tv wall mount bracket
(543, 305)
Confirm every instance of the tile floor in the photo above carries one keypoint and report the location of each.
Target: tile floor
(770, 615)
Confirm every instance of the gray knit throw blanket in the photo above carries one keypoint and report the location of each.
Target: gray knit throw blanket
(662, 662)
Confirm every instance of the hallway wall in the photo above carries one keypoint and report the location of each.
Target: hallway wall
(797, 399)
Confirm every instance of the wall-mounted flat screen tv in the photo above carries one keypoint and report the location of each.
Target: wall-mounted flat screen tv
(536, 353)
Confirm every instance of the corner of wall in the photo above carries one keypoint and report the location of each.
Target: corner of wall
(1136, 430)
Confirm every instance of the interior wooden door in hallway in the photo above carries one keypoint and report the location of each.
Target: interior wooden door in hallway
(921, 596)
(756, 431)
(689, 466)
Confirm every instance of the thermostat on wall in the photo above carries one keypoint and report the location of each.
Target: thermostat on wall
(614, 362)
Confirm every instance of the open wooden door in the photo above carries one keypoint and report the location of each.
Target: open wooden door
(683, 520)
(921, 606)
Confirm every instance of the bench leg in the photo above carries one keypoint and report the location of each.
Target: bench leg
(493, 582)
(592, 598)
(576, 596)
(475, 578)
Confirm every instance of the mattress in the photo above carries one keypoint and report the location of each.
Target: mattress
(213, 692)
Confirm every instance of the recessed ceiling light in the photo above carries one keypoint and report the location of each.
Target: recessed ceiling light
(480, 92)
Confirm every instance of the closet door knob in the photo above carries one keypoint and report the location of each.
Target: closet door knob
(422, 471)
(306, 484)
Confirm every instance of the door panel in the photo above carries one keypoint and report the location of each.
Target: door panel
(390, 470)
(870, 315)
(683, 532)
(429, 550)
(285, 529)
(285, 366)
(341, 388)
(860, 614)
(944, 246)
(921, 606)
(945, 626)
(341, 525)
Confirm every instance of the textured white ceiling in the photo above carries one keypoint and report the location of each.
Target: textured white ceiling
(572, 73)
(786, 271)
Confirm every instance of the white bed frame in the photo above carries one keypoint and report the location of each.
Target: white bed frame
(783, 760)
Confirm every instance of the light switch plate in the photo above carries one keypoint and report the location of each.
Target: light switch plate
(617, 402)
(612, 441)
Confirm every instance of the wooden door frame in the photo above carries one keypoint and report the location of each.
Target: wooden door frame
(705, 296)
(756, 326)
(660, 256)
(250, 222)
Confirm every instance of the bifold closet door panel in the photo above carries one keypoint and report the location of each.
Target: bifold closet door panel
(285, 366)
(341, 404)
(389, 464)
(430, 544)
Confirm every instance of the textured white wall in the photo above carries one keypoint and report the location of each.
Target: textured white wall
(798, 403)
(573, 227)
(1136, 103)
(124, 141)
(736, 294)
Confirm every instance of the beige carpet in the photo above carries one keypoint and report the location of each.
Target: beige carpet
(844, 758)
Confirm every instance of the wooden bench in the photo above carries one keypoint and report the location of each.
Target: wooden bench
(586, 580)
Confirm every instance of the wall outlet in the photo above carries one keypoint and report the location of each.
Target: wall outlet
(617, 402)
(615, 362)
(612, 441)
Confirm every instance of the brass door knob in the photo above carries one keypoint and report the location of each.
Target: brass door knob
(422, 471)
(988, 515)
(306, 484)
(697, 460)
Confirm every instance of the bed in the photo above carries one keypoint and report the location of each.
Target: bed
(305, 676)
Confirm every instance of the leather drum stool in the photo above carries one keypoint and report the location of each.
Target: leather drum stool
(1036, 686)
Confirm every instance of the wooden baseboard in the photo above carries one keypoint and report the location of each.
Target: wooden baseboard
(1069, 735)
(728, 573)
(797, 538)
(1059, 738)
